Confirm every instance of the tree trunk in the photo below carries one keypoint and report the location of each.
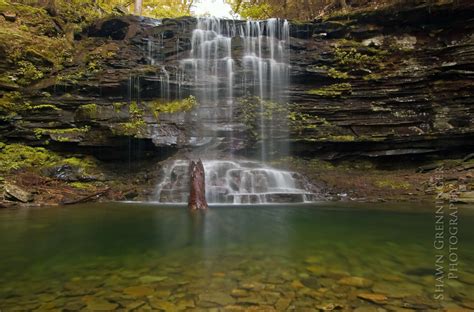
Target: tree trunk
(197, 194)
(138, 7)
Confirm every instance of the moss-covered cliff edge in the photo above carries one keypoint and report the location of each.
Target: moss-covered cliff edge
(385, 86)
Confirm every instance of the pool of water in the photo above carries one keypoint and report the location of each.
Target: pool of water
(119, 256)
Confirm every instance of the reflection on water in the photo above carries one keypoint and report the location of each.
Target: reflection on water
(135, 256)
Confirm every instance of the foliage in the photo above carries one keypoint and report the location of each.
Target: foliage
(333, 90)
(304, 10)
(253, 11)
(167, 8)
(32, 46)
(27, 73)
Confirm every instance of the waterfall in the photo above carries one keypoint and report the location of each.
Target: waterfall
(249, 56)
(230, 59)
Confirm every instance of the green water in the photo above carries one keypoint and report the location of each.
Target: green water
(148, 257)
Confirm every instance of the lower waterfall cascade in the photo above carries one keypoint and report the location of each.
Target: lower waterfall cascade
(235, 182)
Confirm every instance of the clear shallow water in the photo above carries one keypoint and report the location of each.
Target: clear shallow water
(126, 256)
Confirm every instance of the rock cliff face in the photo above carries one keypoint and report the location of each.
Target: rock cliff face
(373, 84)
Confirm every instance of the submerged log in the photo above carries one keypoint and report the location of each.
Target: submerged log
(197, 194)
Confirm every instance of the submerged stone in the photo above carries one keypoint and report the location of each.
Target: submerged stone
(151, 279)
(135, 305)
(397, 290)
(376, 298)
(74, 306)
(311, 282)
(330, 306)
(138, 291)
(420, 303)
(238, 293)
(253, 299)
(101, 305)
(162, 304)
(355, 281)
(316, 269)
(218, 298)
(312, 259)
(283, 303)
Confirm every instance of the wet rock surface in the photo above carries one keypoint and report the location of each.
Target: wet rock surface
(360, 85)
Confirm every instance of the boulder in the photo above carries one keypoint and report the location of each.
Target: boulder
(17, 193)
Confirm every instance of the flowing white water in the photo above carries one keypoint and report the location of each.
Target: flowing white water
(235, 182)
(229, 57)
(251, 57)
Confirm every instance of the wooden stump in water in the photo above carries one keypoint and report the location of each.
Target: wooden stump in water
(197, 194)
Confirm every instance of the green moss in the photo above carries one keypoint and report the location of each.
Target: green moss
(373, 76)
(87, 111)
(134, 110)
(11, 102)
(18, 156)
(45, 107)
(82, 185)
(183, 105)
(334, 73)
(252, 110)
(342, 138)
(133, 128)
(300, 122)
(118, 106)
(86, 163)
(333, 90)
(63, 135)
(351, 58)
